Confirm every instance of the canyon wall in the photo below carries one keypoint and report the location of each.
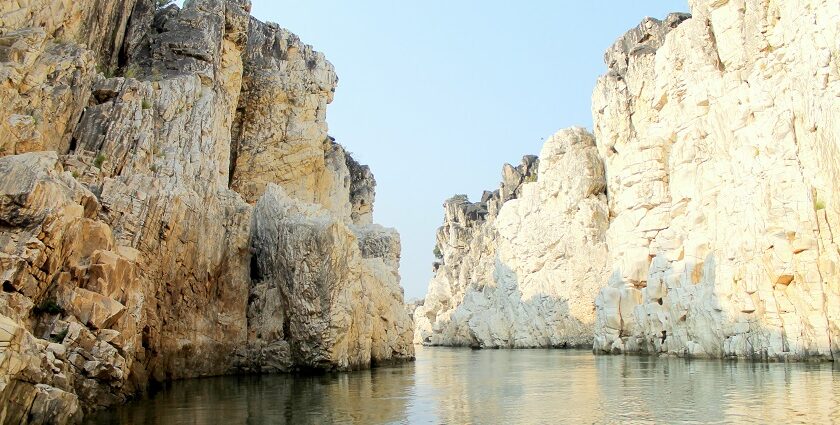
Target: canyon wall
(722, 149)
(520, 268)
(171, 206)
(714, 234)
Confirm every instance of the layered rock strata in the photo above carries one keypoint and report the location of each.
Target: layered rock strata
(520, 268)
(722, 152)
(135, 141)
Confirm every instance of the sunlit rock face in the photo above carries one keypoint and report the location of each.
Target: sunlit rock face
(523, 273)
(130, 247)
(722, 149)
(718, 134)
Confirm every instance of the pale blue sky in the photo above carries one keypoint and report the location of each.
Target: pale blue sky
(437, 95)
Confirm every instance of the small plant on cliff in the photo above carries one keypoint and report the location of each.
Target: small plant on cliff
(437, 252)
(131, 71)
(530, 178)
(49, 306)
(146, 104)
(107, 71)
(819, 204)
(59, 337)
(98, 161)
(75, 174)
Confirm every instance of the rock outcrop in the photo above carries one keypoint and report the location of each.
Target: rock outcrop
(722, 152)
(520, 268)
(327, 293)
(49, 51)
(134, 142)
(719, 139)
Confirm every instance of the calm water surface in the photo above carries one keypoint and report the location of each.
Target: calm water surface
(456, 386)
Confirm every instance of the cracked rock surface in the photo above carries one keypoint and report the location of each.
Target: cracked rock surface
(520, 268)
(133, 150)
(722, 151)
(717, 150)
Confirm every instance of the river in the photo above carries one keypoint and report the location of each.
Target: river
(455, 386)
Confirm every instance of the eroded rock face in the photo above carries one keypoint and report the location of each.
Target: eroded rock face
(523, 273)
(127, 244)
(281, 130)
(362, 191)
(718, 136)
(72, 299)
(49, 51)
(336, 288)
(720, 141)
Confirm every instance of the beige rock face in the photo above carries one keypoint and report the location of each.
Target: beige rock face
(338, 298)
(720, 141)
(126, 256)
(523, 275)
(100, 26)
(71, 300)
(281, 135)
(362, 192)
(49, 51)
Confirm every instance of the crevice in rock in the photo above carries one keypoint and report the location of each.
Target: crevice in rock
(236, 134)
(254, 269)
(103, 95)
(711, 31)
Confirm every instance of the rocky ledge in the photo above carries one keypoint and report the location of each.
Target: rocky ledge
(171, 206)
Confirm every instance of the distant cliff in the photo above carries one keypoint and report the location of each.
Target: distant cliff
(703, 225)
(171, 206)
(506, 276)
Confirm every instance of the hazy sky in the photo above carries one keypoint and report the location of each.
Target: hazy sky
(437, 95)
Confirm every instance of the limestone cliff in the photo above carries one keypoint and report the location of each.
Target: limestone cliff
(520, 268)
(722, 148)
(718, 136)
(171, 206)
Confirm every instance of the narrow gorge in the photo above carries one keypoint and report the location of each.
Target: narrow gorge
(698, 220)
(172, 206)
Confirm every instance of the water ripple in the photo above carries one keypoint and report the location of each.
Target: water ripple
(456, 386)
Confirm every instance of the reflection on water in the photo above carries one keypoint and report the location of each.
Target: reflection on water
(501, 386)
